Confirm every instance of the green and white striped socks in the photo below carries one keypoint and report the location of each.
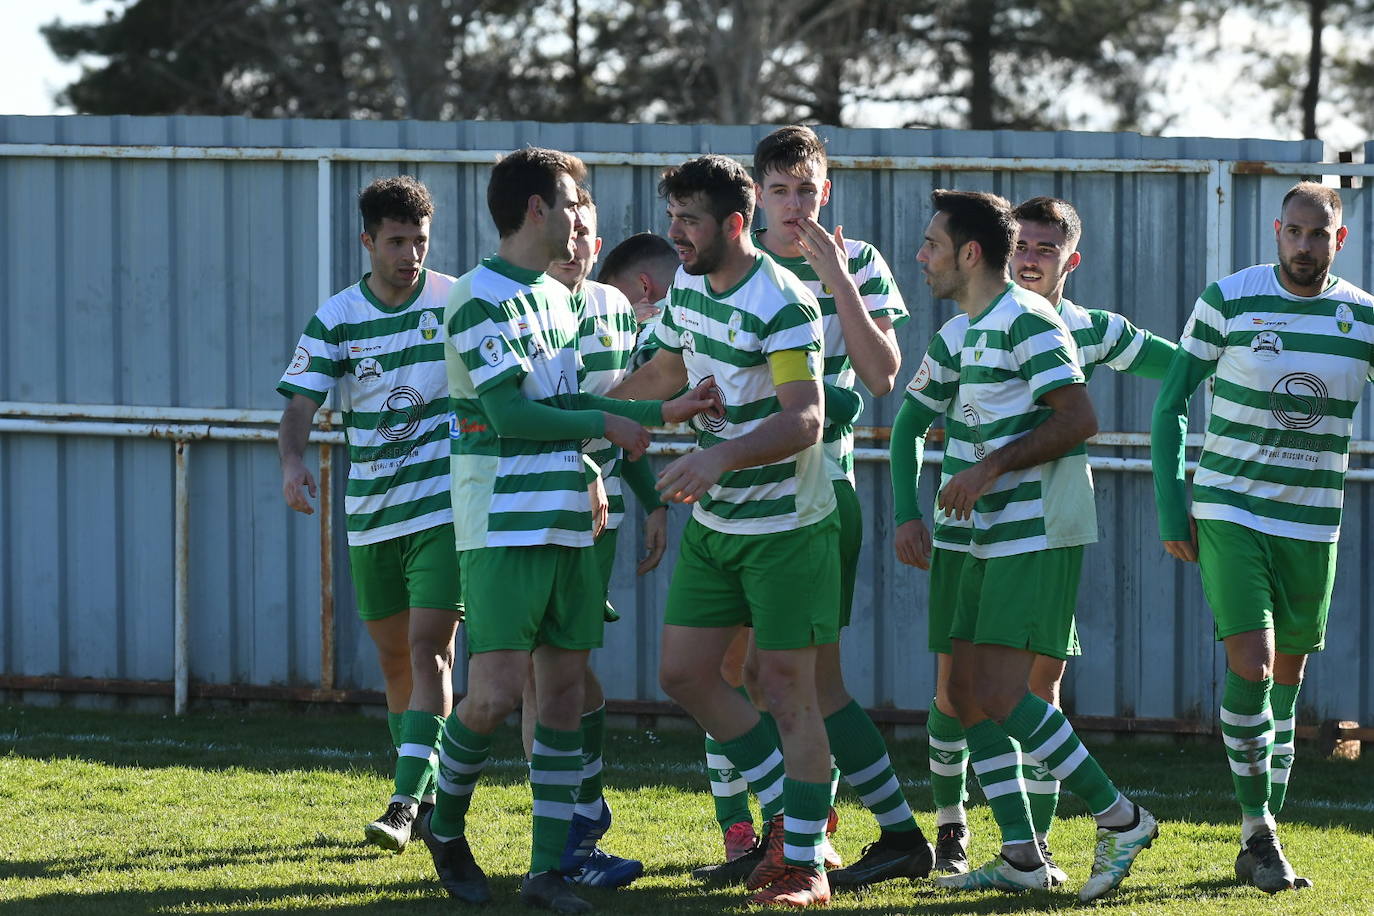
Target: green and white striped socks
(1247, 728)
(1048, 737)
(1283, 702)
(462, 755)
(948, 751)
(555, 776)
(1042, 790)
(997, 764)
(589, 792)
(806, 811)
(758, 757)
(417, 755)
(729, 789)
(861, 755)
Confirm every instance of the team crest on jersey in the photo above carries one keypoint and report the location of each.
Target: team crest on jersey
(979, 347)
(1267, 345)
(689, 342)
(1345, 318)
(368, 372)
(603, 333)
(733, 326)
(491, 350)
(713, 420)
(429, 325)
(299, 362)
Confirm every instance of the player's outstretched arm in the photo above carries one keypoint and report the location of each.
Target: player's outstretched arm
(1071, 422)
(911, 540)
(1155, 356)
(293, 434)
(870, 342)
(1168, 432)
(661, 377)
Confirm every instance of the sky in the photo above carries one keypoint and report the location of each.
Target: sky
(30, 76)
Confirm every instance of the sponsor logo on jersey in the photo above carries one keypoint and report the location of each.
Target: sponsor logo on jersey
(922, 377)
(368, 372)
(300, 362)
(1298, 400)
(975, 425)
(685, 319)
(492, 350)
(1345, 318)
(732, 328)
(401, 414)
(460, 426)
(712, 420)
(429, 325)
(358, 350)
(1267, 345)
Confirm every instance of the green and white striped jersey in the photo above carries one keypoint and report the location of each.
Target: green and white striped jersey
(388, 366)
(505, 322)
(606, 338)
(1289, 373)
(730, 335)
(880, 295)
(987, 376)
(1102, 338)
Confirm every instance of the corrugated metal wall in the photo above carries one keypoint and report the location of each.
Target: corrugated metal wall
(185, 283)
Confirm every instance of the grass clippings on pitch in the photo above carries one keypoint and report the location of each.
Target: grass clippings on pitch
(120, 813)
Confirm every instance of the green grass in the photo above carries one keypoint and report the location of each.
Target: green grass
(120, 813)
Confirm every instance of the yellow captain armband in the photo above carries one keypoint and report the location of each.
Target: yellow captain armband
(791, 366)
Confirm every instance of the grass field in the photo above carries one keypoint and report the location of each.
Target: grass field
(120, 813)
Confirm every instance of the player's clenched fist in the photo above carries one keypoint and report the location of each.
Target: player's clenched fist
(627, 434)
(912, 543)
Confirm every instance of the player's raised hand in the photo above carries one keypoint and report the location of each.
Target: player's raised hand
(704, 398)
(912, 543)
(825, 253)
(627, 434)
(655, 539)
(688, 478)
(601, 505)
(1184, 550)
(963, 490)
(295, 480)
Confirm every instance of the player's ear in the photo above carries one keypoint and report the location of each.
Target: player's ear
(734, 225)
(596, 247)
(1072, 263)
(367, 241)
(1341, 233)
(825, 192)
(535, 207)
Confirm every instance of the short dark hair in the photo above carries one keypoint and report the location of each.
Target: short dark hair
(401, 198)
(977, 216)
(1316, 194)
(788, 150)
(723, 182)
(519, 175)
(1054, 211)
(640, 248)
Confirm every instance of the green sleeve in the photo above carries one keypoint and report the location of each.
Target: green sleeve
(1155, 355)
(1167, 436)
(590, 469)
(515, 416)
(645, 413)
(640, 476)
(842, 405)
(907, 445)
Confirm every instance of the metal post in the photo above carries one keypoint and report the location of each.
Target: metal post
(326, 566)
(180, 629)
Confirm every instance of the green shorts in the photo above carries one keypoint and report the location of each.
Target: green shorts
(945, 569)
(523, 597)
(787, 584)
(1258, 581)
(605, 563)
(851, 540)
(1025, 601)
(413, 570)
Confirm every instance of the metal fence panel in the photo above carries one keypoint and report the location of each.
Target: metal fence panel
(184, 283)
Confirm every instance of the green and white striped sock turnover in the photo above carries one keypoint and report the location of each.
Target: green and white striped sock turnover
(555, 775)
(1283, 703)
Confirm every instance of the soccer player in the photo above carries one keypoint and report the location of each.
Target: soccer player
(379, 342)
(642, 268)
(607, 334)
(1289, 349)
(860, 304)
(523, 525)
(1046, 253)
(762, 545)
(1014, 468)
